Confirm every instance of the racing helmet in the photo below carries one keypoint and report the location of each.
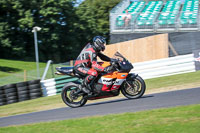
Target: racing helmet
(99, 43)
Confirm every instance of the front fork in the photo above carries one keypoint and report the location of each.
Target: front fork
(130, 77)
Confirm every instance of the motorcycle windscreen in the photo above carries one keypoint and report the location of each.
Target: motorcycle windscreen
(118, 56)
(124, 64)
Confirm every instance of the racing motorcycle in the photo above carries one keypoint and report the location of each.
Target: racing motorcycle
(110, 84)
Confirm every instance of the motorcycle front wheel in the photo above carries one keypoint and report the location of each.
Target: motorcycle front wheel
(134, 88)
(70, 97)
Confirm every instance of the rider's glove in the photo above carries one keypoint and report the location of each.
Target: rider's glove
(114, 62)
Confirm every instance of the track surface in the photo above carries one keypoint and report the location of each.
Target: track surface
(147, 102)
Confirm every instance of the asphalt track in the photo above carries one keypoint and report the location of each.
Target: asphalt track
(147, 102)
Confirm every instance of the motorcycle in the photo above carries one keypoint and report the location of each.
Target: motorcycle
(105, 85)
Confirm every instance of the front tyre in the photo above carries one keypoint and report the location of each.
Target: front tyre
(70, 98)
(133, 88)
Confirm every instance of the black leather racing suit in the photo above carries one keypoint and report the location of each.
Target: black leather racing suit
(86, 63)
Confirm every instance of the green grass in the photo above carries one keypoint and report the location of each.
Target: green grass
(43, 103)
(183, 119)
(179, 79)
(12, 71)
(8, 67)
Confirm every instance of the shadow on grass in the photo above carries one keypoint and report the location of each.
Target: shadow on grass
(9, 69)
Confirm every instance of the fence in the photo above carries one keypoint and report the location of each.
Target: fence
(165, 67)
(54, 86)
(143, 49)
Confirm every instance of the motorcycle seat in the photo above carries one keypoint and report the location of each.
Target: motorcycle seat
(65, 70)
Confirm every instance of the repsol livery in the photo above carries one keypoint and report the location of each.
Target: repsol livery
(107, 84)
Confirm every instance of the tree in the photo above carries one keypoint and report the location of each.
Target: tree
(55, 17)
(94, 18)
(66, 28)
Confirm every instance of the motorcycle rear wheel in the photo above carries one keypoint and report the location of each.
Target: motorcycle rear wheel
(134, 88)
(69, 98)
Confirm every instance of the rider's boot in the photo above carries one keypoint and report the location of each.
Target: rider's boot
(86, 88)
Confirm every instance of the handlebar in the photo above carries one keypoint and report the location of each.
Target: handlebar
(115, 63)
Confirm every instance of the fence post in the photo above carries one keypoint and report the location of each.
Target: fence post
(172, 48)
(71, 63)
(46, 69)
(52, 70)
(25, 75)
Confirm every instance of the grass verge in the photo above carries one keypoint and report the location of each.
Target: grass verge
(182, 119)
(8, 67)
(12, 71)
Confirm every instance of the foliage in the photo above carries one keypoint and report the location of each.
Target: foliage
(55, 17)
(65, 27)
(94, 17)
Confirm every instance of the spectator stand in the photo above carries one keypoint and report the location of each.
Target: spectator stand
(133, 9)
(146, 19)
(189, 16)
(167, 20)
(155, 16)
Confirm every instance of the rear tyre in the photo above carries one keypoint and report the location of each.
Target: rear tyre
(69, 98)
(134, 88)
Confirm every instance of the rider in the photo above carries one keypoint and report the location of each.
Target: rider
(86, 63)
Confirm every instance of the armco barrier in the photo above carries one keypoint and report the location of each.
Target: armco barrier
(21, 91)
(54, 86)
(165, 67)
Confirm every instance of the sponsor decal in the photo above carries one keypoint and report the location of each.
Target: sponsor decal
(105, 80)
(116, 82)
(108, 81)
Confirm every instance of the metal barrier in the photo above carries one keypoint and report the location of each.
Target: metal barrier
(50, 62)
(54, 86)
(165, 67)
